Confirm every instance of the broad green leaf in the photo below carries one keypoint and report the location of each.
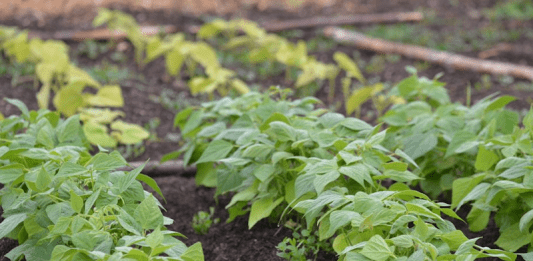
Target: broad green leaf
(478, 219)
(419, 144)
(262, 209)
(58, 210)
(506, 121)
(10, 223)
(20, 105)
(525, 221)
(405, 241)
(340, 218)
(264, 172)
(511, 238)
(321, 181)
(127, 180)
(357, 172)
(155, 238)
(377, 249)
(500, 102)
(216, 150)
(193, 253)
(151, 183)
(10, 172)
(282, 131)
(43, 180)
(466, 246)
(454, 239)
(474, 194)
(148, 214)
(459, 139)
(485, 159)
(76, 202)
(463, 186)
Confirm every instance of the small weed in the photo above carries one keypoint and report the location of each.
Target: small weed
(151, 127)
(108, 73)
(16, 70)
(303, 243)
(202, 221)
(422, 65)
(514, 9)
(376, 64)
(93, 49)
(129, 151)
(484, 84)
(523, 86)
(320, 43)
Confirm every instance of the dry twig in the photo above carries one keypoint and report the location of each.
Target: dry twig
(100, 34)
(456, 61)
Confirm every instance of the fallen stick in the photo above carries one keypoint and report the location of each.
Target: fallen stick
(393, 17)
(456, 61)
(155, 168)
(100, 34)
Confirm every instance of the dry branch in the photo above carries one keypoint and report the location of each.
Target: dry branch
(155, 168)
(392, 17)
(444, 58)
(100, 34)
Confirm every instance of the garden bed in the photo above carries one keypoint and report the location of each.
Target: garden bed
(152, 98)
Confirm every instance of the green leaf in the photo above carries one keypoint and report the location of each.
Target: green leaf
(262, 209)
(151, 183)
(76, 202)
(264, 172)
(148, 214)
(10, 223)
(499, 103)
(511, 238)
(127, 180)
(357, 172)
(454, 239)
(193, 253)
(466, 246)
(478, 219)
(485, 159)
(155, 238)
(10, 172)
(43, 180)
(282, 131)
(321, 181)
(419, 144)
(525, 221)
(506, 121)
(20, 105)
(377, 249)
(459, 139)
(216, 150)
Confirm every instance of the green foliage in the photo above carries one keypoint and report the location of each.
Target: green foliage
(303, 243)
(177, 52)
(281, 154)
(202, 221)
(515, 9)
(69, 83)
(62, 203)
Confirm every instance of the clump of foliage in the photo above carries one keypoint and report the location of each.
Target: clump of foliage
(62, 203)
(177, 52)
(277, 154)
(69, 83)
(202, 221)
(303, 243)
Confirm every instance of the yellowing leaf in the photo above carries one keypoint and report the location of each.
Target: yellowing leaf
(205, 55)
(357, 98)
(240, 86)
(43, 96)
(45, 72)
(174, 61)
(97, 135)
(1, 116)
(129, 133)
(107, 96)
(349, 66)
(78, 75)
(69, 99)
(201, 84)
(103, 116)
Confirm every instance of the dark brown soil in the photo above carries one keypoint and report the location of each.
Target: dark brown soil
(141, 93)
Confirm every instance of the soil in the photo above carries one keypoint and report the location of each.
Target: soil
(148, 90)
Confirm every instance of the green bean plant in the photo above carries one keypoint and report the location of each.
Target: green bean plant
(283, 157)
(62, 203)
